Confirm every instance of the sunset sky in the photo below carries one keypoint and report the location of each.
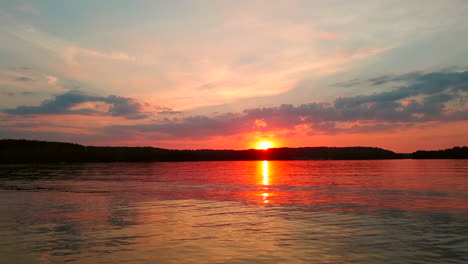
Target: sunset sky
(229, 74)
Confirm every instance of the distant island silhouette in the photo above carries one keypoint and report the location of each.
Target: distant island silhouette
(33, 151)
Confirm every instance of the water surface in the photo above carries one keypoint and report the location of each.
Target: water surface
(390, 211)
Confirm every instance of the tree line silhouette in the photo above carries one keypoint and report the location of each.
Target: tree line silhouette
(453, 153)
(33, 151)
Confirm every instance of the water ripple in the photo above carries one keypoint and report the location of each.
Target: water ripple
(234, 212)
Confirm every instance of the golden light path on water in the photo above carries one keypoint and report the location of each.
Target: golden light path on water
(266, 180)
(365, 211)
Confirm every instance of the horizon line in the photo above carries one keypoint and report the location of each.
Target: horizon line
(109, 146)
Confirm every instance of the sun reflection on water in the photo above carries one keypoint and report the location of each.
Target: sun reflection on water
(266, 181)
(265, 172)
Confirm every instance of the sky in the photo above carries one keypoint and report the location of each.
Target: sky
(229, 74)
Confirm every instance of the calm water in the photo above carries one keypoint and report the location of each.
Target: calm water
(400, 211)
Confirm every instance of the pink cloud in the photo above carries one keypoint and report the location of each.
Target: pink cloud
(328, 35)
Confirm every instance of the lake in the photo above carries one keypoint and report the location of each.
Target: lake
(386, 211)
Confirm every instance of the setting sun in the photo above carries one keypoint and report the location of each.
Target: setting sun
(264, 145)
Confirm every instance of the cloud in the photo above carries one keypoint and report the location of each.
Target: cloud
(77, 102)
(420, 84)
(23, 79)
(425, 99)
(69, 51)
(353, 82)
(51, 79)
(394, 78)
(267, 58)
(161, 110)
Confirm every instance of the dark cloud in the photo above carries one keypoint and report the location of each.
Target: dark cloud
(128, 107)
(422, 100)
(332, 128)
(395, 78)
(166, 111)
(349, 83)
(420, 84)
(24, 79)
(64, 103)
(190, 127)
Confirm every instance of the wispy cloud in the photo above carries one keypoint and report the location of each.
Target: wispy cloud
(64, 49)
(317, 67)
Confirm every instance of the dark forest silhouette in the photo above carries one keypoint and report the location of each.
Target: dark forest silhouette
(32, 151)
(453, 153)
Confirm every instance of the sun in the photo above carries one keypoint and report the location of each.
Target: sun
(264, 145)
